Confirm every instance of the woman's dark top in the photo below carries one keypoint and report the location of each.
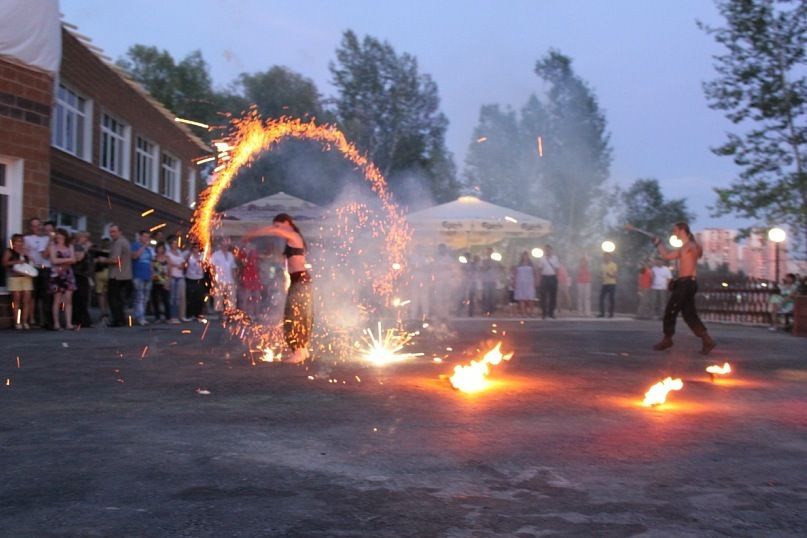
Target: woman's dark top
(290, 251)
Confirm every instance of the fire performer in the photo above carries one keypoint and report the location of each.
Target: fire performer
(297, 316)
(683, 288)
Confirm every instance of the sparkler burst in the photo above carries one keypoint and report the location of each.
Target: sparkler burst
(384, 347)
(473, 376)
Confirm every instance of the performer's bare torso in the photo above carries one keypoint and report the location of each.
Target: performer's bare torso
(688, 259)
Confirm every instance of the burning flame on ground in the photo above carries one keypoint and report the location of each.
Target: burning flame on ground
(719, 370)
(657, 394)
(385, 346)
(473, 376)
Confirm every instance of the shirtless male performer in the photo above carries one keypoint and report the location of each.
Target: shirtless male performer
(684, 288)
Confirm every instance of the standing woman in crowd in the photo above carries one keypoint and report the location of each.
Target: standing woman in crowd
(62, 278)
(83, 271)
(298, 314)
(194, 283)
(249, 283)
(583, 281)
(176, 270)
(160, 284)
(524, 291)
(20, 285)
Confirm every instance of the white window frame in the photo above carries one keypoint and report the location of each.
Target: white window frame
(153, 167)
(63, 109)
(121, 167)
(176, 170)
(59, 218)
(191, 187)
(15, 169)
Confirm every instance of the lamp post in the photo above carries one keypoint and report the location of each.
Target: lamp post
(777, 235)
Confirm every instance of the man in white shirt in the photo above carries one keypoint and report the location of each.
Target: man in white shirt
(661, 280)
(223, 275)
(36, 248)
(549, 282)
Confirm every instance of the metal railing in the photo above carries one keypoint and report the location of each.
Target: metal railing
(735, 299)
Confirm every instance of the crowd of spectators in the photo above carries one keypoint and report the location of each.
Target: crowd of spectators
(55, 278)
(537, 284)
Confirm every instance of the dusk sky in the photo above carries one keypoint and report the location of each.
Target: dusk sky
(644, 59)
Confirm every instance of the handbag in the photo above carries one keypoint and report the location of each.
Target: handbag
(25, 269)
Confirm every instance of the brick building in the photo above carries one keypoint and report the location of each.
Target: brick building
(82, 144)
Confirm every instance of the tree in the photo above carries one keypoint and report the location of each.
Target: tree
(762, 89)
(391, 111)
(184, 87)
(577, 153)
(492, 165)
(564, 180)
(643, 205)
(279, 91)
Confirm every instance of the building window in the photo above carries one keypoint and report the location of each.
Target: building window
(114, 149)
(72, 223)
(191, 187)
(145, 163)
(169, 177)
(70, 129)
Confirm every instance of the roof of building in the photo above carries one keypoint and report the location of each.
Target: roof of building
(99, 53)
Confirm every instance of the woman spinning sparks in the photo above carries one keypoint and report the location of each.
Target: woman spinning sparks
(297, 316)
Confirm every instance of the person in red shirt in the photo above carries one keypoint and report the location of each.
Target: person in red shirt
(644, 283)
(583, 282)
(249, 282)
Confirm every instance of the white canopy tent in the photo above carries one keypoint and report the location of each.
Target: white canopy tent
(469, 221)
(237, 221)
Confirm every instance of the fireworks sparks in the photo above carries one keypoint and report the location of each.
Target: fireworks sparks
(385, 346)
(473, 376)
(191, 122)
(539, 142)
(269, 355)
(657, 394)
(481, 139)
(251, 136)
(158, 227)
(147, 212)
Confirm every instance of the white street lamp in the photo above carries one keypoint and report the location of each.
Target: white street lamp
(777, 235)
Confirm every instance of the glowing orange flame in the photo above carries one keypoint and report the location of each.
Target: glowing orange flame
(657, 394)
(719, 370)
(473, 376)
